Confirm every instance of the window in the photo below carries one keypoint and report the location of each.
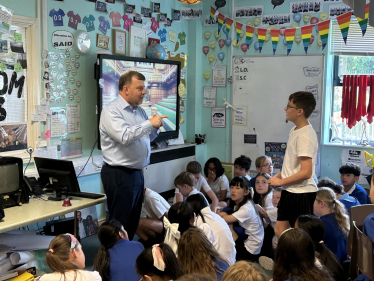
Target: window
(19, 89)
(355, 58)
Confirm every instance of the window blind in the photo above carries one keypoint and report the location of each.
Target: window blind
(357, 45)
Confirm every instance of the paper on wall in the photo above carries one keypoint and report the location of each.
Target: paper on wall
(58, 120)
(6, 15)
(73, 118)
(357, 157)
(47, 152)
(38, 117)
(71, 148)
(209, 96)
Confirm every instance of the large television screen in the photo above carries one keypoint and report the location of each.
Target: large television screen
(161, 84)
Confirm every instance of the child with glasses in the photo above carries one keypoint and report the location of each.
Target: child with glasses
(217, 181)
(263, 165)
(67, 261)
(296, 176)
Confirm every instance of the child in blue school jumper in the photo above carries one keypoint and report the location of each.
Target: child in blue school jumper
(347, 200)
(349, 175)
(116, 257)
(335, 220)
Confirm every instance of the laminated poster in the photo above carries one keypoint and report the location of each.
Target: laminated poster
(276, 151)
(58, 121)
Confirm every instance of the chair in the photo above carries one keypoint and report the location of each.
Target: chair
(357, 214)
(365, 258)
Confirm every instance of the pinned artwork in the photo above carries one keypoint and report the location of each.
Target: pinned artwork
(176, 15)
(72, 59)
(127, 22)
(68, 90)
(78, 84)
(172, 36)
(73, 72)
(60, 66)
(52, 99)
(58, 100)
(73, 20)
(71, 97)
(16, 47)
(207, 75)
(78, 99)
(54, 73)
(155, 25)
(46, 64)
(207, 35)
(68, 68)
(115, 17)
(66, 73)
(72, 80)
(217, 35)
(169, 22)
(62, 56)
(77, 65)
(156, 8)
(130, 9)
(46, 76)
(138, 18)
(146, 12)
(212, 45)
(77, 56)
(89, 22)
(60, 77)
(63, 95)
(211, 58)
(205, 50)
(101, 7)
(67, 53)
(64, 83)
(163, 18)
(57, 17)
(221, 43)
(147, 27)
(51, 79)
(56, 94)
(104, 25)
(75, 91)
(67, 62)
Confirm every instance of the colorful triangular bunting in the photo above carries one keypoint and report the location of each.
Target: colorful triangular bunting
(323, 28)
(229, 23)
(364, 22)
(212, 12)
(344, 21)
(306, 34)
(238, 27)
(261, 33)
(290, 36)
(249, 30)
(221, 18)
(275, 38)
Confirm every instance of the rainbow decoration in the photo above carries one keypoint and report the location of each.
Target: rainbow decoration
(229, 23)
(221, 18)
(274, 38)
(261, 33)
(364, 22)
(249, 30)
(238, 27)
(290, 36)
(324, 28)
(306, 34)
(212, 12)
(190, 1)
(344, 21)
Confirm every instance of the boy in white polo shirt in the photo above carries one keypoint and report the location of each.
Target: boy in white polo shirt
(185, 182)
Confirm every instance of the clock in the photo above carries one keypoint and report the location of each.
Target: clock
(82, 42)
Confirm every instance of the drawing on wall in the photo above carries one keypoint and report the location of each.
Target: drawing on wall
(249, 11)
(311, 71)
(306, 7)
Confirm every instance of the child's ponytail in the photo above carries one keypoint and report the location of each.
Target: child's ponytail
(337, 208)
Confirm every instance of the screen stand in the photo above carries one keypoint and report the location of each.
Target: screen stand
(57, 189)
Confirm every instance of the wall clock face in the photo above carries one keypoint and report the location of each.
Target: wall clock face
(83, 42)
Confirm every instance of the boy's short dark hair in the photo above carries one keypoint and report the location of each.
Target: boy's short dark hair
(244, 162)
(350, 168)
(184, 178)
(326, 182)
(305, 101)
(194, 167)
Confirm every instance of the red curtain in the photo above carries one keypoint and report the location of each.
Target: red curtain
(353, 103)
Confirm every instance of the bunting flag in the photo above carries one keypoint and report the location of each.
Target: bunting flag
(228, 25)
(290, 36)
(306, 34)
(249, 30)
(238, 27)
(221, 18)
(364, 22)
(344, 21)
(275, 38)
(190, 1)
(212, 12)
(261, 34)
(323, 28)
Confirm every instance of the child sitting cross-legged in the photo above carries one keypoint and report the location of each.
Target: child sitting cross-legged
(185, 184)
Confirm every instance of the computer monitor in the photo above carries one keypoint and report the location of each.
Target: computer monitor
(58, 174)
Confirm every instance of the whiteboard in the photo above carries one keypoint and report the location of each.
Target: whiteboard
(263, 85)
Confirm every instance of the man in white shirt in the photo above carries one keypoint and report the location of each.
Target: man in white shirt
(81, 227)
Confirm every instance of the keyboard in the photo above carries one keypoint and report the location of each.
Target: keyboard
(85, 195)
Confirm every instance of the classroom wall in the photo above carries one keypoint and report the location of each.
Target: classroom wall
(21, 7)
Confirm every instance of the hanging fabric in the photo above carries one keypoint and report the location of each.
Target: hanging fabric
(370, 109)
(361, 103)
(352, 102)
(344, 112)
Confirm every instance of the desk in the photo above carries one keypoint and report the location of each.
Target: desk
(40, 210)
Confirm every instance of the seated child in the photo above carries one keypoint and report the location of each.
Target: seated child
(249, 234)
(217, 181)
(224, 244)
(295, 258)
(273, 213)
(244, 271)
(347, 200)
(158, 263)
(116, 255)
(335, 220)
(263, 193)
(349, 175)
(194, 168)
(185, 184)
(314, 227)
(180, 218)
(242, 165)
(197, 255)
(155, 207)
(263, 165)
(67, 261)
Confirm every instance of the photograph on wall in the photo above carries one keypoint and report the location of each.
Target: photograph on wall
(277, 20)
(169, 22)
(218, 117)
(191, 13)
(4, 46)
(6, 15)
(21, 58)
(214, 22)
(110, 1)
(176, 15)
(101, 7)
(276, 151)
(16, 47)
(303, 7)
(249, 11)
(138, 18)
(88, 223)
(13, 136)
(146, 12)
(163, 18)
(130, 9)
(338, 10)
(156, 8)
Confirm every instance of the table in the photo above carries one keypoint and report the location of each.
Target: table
(40, 210)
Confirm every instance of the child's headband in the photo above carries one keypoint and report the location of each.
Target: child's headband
(73, 241)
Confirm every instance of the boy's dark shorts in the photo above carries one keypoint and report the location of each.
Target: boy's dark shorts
(293, 205)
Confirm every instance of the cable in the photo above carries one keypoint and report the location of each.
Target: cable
(29, 150)
(92, 149)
